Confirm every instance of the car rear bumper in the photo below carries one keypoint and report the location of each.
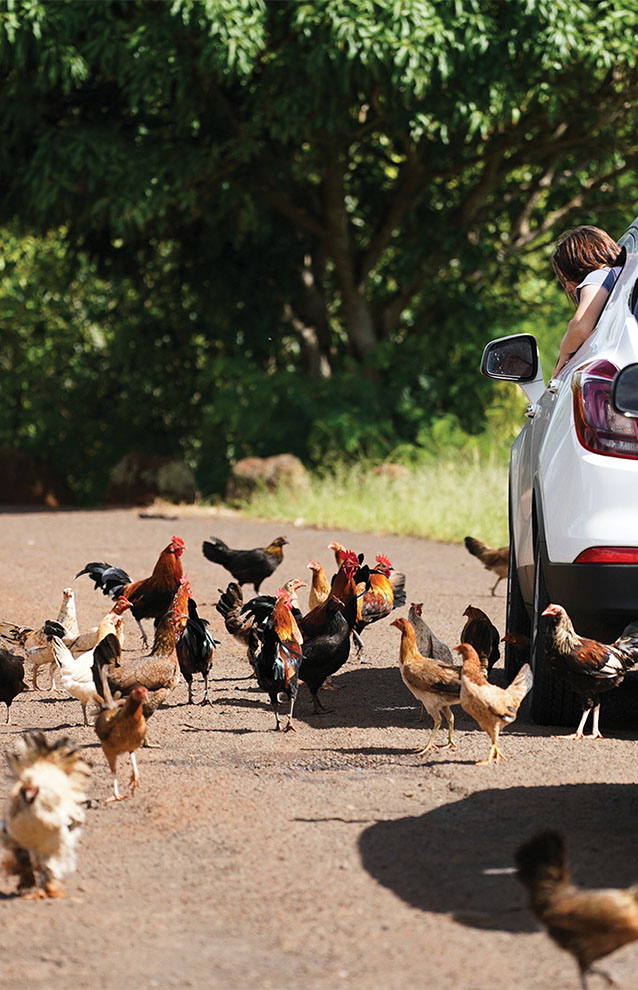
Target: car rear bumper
(601, 599)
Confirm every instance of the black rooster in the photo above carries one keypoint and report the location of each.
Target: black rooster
(246, 566)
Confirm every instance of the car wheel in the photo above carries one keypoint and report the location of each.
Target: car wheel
(553, 701)
(517, 621)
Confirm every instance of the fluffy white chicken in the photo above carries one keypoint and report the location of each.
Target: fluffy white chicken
(75, 671)
(44, 813)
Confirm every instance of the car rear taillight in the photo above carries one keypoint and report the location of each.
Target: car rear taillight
(598, 426)
(608, 555)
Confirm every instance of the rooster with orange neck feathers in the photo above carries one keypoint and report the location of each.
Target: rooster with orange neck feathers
(151, 597)
(277, 663)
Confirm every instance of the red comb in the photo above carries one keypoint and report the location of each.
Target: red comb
(380, 559)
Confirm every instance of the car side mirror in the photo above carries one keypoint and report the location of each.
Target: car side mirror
(515, 359)
(624, 392)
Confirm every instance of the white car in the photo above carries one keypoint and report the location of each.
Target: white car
(573, 495)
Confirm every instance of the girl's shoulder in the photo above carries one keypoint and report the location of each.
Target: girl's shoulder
(604, 277)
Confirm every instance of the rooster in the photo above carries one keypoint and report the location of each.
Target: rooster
(491, 706)
(11, 679)
(246, 566)
(436, 685)
(315, 622)
(396, 579)
(325, 654)
(151, 597)
(195, 644)
(381, 596)
(121, 728)
(589, 924)
(481, 633)
(277, 662)
(44, 813)
(245, 620)
(493, 560)
(590, 668)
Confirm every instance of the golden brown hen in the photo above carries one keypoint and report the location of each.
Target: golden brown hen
(493, 560)
(121, 728)
(589, 924)
(491, 706)
(436, 685)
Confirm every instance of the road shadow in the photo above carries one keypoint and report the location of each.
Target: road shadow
(441, 861)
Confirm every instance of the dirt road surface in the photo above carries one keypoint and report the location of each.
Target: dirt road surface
(327, 857)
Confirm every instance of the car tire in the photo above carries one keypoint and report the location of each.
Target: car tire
(553, 702)
(517, 620)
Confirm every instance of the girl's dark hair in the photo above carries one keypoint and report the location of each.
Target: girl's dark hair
(581, 251)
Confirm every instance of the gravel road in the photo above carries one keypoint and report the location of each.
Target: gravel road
(327, 857)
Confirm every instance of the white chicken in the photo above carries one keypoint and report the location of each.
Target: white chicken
(76, 671)
(44, 813)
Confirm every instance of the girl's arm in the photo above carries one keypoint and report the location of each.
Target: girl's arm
(592, 300)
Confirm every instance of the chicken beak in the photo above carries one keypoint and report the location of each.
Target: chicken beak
(30, 793)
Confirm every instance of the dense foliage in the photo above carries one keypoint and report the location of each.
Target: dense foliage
(237, 226)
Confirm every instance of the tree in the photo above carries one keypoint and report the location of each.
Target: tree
(352, 188)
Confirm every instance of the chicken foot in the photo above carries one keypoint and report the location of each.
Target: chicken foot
(494, 755)
(580, 731)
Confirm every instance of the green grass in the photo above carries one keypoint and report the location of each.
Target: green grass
(439, 500)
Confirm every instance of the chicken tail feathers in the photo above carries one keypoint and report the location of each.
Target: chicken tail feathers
(521, 684)
(106, 653)
(111, 580)
(230, 600)
(397, 581)
(34, 746)
(215, 550)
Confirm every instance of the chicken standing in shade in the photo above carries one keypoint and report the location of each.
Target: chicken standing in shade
(246, 566)
(11, 679)
(589, 667)
(277, 662)
(436, 685)
(319, 587)
(491, 706)
(44, 813)
(589, 924)
(493, 560)
(427, 643)
(121, 728)
(151, 597)
(481, 633)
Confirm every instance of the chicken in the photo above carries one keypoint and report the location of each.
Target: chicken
(315, 622)
(427, 643)
(195, 644)
(319, 587)
(11, 679)
(245, 620)
(436, 685)
(493, 560)
(396, 579)
(44, 813)
(491, 706)
(121, 728)
(326, 652)
(481, 633)
(157, 671)
(277, 662)
(589, 667)
(246, 566)
(76, 672)
(589, 924)
(151, 597)
(35, 642)
(379, 600)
